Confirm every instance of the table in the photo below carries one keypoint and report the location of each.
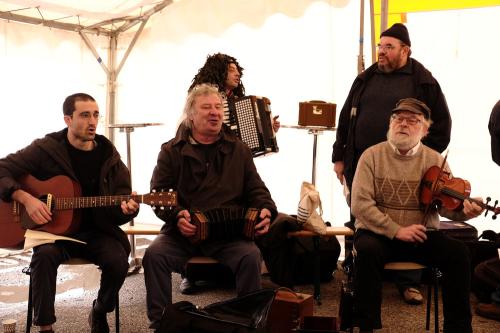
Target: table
(135, 263)
(314, 130)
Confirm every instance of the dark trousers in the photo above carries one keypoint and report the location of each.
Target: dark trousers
(102, 250)
(450, 256)
(170, 253)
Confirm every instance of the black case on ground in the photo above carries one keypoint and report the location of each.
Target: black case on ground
(459, 230)
(480, 250)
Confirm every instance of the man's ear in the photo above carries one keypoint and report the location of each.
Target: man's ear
(425, 131)
(67, 120)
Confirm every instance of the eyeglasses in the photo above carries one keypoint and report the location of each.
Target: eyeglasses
(386, 47)
(409, 120)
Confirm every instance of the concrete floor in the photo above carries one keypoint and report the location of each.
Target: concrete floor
(77, 287)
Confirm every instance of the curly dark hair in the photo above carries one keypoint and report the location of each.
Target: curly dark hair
(214, 71)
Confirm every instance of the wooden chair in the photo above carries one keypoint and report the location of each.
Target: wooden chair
(436, 274)
(72, 261)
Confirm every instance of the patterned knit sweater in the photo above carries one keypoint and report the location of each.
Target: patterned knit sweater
(386, 190)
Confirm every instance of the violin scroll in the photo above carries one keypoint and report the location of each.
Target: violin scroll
(494, 208)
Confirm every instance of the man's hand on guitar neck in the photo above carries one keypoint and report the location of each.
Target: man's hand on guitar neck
(36, 209)
(130, 207)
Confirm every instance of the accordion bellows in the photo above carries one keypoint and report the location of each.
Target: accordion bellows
(224, 223)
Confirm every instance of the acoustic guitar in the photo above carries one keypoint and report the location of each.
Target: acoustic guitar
(62, 195)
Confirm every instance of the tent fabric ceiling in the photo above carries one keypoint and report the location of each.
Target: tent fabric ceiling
(77, 14)
(397, 9)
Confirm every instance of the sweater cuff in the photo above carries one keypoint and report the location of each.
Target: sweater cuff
(393, 230)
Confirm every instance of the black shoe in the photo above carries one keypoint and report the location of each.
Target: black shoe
(187, 287)
(97, 321)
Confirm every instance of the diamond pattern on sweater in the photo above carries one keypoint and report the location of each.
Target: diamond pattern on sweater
(397, 193)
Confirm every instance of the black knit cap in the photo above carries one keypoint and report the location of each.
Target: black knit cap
(399, 31)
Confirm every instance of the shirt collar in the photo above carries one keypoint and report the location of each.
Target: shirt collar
(410, 152)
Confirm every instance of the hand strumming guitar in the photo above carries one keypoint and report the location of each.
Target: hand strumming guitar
(36, 209)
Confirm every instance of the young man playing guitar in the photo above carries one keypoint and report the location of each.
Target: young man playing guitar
(94, 163)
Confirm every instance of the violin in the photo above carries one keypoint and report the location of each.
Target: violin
(440, 188)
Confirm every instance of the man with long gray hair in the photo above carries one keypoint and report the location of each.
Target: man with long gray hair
(210, 168)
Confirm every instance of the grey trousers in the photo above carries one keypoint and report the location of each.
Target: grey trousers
(170, 253)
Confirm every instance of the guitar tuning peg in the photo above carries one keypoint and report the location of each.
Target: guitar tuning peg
(153, 207)
(162, 208)
(153, 191)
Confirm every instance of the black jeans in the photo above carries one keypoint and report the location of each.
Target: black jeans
(102, 250)
(450, 256)
(169, 253)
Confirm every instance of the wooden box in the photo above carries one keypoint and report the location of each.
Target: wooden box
(317, 113)
(288, 311)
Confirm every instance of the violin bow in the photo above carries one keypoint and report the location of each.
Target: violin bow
(434, 187)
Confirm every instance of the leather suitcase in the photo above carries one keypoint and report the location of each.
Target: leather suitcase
(317, 113)
(479, 250)
(459, 230)
(288, 310)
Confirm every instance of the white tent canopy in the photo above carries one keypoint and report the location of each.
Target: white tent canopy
(91, 15)
(291, 51)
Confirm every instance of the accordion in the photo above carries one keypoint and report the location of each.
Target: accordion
(251, 120)
(224, 223)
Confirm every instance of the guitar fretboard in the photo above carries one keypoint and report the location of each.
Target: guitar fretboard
(101, 201)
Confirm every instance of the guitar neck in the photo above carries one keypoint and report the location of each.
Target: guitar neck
(100, 201)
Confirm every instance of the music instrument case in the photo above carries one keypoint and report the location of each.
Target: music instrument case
(317, 113)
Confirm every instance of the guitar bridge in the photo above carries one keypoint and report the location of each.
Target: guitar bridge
(15, 211)
(48, 202)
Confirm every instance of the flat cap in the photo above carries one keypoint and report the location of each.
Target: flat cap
(413, 105)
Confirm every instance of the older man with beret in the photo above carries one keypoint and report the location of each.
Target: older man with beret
(393, 225)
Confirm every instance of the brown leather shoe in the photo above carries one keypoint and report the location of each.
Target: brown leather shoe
(413, 296)
(491, 311)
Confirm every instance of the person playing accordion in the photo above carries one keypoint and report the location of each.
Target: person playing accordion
(209, 168)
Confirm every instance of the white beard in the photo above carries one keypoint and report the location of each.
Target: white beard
(402, 142)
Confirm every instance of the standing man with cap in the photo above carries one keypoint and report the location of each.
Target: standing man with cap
(364, 118)
(392, 225)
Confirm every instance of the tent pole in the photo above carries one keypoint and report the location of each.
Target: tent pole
(109, 82)
(131, 45)
(384, 4)
(111, 87)
(372, 28)
(361, 62)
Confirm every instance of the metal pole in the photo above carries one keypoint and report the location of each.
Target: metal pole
(135, 263)
(361, 62)
(315, 143)
(372, 28)
(384, 14)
